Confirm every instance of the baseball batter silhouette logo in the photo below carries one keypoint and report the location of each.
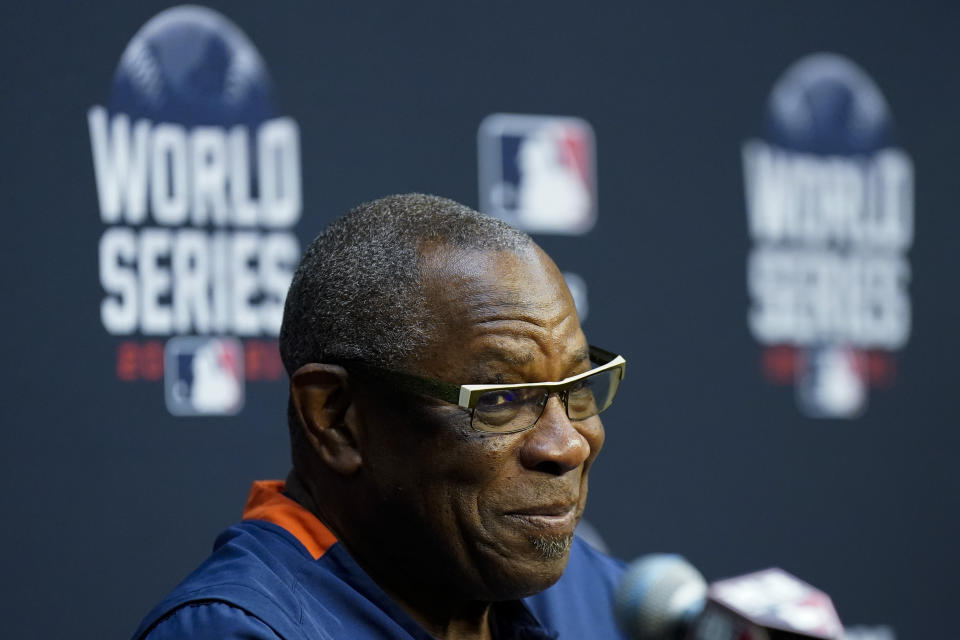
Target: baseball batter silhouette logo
(537, 172)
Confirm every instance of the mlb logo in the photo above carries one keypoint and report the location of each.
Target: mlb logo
(203, 376)
(832, 382)
(537, 172)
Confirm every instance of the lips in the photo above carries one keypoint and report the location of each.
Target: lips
(558, 516)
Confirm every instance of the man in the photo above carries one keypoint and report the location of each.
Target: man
(421, 504)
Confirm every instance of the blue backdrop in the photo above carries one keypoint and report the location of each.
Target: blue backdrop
(712, 451)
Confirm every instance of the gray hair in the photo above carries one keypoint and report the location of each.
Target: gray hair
(358, 295)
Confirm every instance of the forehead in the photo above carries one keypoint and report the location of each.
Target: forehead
(492, 308)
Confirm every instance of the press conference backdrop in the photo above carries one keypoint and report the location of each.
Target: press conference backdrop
(756, 203)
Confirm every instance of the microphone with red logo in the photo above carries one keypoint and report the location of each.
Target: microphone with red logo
(663, 597)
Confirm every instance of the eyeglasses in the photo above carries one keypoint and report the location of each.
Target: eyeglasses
(509, 408)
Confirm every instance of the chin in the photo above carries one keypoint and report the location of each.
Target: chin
(552, 548)
(539, 570)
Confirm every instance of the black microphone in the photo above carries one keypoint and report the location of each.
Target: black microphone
(663, 597)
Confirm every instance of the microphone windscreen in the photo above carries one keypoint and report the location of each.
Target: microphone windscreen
(659, 596)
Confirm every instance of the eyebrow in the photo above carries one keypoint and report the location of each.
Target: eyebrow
(526, 357)
(509, 357)
(582, 354)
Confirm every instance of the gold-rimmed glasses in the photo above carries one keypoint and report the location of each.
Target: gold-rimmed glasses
(509, 408)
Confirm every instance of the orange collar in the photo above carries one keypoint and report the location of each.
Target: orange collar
(267, 502)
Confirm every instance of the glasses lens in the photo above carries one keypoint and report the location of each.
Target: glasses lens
(593, 394)
(507, 410)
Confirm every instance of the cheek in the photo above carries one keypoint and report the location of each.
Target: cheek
(478, 474)
(451, 476)
(477, 465)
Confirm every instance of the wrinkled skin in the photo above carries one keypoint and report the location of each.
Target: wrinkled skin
(447, 519)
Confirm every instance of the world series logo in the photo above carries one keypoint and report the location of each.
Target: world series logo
(830, 212)
(199, 187)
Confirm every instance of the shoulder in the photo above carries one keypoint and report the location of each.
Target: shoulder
(213, 620)
(581, 603)
(248, 582)
(260, 580)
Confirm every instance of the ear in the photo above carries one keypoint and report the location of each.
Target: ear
(322, 399)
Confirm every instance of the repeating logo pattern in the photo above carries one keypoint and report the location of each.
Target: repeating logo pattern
(204, 376)
(830, 211)
(199, 188)
(537, 172)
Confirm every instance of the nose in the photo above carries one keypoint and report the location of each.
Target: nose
(555, 445)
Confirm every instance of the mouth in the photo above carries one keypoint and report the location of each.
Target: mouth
(554, 518)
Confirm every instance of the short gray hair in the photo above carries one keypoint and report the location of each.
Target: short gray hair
(358, 294)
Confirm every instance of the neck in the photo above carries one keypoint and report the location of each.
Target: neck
(441, 617)
(297, 490)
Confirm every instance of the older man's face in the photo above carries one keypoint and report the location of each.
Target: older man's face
(492, 515)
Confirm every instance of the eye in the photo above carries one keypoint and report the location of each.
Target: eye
(580, 396)
(495, 399)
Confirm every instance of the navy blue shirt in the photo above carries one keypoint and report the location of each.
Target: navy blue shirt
(281, 574)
